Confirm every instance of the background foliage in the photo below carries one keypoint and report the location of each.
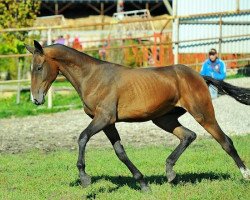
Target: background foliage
(15, 14)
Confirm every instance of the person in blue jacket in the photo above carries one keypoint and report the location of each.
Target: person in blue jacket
(215, 68)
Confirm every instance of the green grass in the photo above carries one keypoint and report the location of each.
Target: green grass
(235, 76)
(204, 171)
(9, 108)
(62, 84)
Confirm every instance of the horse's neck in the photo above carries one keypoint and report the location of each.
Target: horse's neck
(78, 69)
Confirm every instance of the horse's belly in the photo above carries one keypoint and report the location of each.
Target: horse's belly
(143, 111)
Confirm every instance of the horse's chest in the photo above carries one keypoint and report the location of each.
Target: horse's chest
(89, 106)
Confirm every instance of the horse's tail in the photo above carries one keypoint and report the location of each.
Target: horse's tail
(239, 93)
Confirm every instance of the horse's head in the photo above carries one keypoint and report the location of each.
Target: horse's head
(43, 73)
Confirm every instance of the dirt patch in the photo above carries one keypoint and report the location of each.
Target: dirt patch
(62, 130)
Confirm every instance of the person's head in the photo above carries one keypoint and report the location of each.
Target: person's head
(212, 54)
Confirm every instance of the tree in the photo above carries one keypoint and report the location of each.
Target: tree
(15, 14)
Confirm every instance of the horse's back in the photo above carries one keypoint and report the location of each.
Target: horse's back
(151, 92)
(189, 80)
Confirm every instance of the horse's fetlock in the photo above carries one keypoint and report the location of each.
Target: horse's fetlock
(228, 147)
(138, 176)
(169, 162)
(122, 156)
(80, 165)
(191, 136)
(228, 139)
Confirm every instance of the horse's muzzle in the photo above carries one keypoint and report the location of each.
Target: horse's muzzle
(39, 102)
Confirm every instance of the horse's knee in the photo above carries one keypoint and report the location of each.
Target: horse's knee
(190, 136)
(185, 135)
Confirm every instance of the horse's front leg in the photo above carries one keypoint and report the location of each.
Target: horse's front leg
(99, 122)
(113, 136)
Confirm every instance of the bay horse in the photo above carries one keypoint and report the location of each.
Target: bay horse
(112, 93)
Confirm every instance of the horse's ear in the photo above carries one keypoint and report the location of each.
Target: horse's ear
(38, 47)
(29, 48)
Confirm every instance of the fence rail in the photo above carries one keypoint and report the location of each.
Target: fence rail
(150, 38)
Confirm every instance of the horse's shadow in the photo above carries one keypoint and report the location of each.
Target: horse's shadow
(121, 181)
(195, 178)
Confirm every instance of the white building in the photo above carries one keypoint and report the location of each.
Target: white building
(235, 17)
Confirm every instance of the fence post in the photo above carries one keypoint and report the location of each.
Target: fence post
(50, 100)
(176, 31)
(176, 42)
(18, 84)
(237, 5)
(220, 37)
(196, 66)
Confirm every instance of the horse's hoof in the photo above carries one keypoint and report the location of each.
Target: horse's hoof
(245, 173)
(171, 176)
(144, 186)
(85, 180)
(145, 189)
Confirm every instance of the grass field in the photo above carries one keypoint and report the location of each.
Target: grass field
(9, 108)
(204, 172)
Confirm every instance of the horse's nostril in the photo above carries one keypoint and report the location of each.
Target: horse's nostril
(36, 102)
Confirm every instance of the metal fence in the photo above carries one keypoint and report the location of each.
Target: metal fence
(152, 48)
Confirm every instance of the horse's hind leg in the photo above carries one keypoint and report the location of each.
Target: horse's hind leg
(169, 123)
(202, 110)
(227, 144)
(113, 136)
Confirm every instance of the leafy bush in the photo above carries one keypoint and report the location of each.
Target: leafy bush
(15, 14)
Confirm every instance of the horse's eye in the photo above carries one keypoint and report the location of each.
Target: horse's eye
(39, 68)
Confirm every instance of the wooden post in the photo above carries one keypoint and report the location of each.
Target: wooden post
(176, 31)
(237, 6)
(168, 6)
(176, 44)
(50, 100)
(120, 4)
(18, 84)
(102, 13)
(56, 8)
(220, 37)
(102, 9)
(196, 66)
